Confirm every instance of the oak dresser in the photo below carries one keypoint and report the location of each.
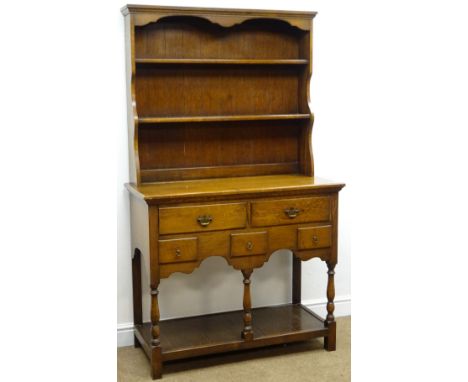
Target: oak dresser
(221, 165)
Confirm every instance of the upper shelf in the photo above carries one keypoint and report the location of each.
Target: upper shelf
(218, 118)
(221, 61)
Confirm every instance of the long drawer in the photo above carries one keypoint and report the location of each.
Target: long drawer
(201, 218)
(290, 211)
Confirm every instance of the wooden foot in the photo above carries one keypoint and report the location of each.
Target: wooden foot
(247, 333)
(136, 343)
(330, 340)
(156, 362)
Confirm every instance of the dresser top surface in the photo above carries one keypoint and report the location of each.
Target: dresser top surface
(238, 187)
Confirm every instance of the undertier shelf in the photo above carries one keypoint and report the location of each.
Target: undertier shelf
(221, 118)
(221, 332)
(221, 61)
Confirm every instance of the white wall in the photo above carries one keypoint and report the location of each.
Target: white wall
(215, 286)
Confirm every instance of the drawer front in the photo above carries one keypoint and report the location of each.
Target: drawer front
(202, 218)
(314, 237)
(178, 250)
(247, 244)
(290, 211)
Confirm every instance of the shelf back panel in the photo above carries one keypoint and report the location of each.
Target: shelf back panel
(196, 150)
(209, 90)
(193, 37)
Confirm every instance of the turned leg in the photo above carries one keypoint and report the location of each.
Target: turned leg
(296, 280)
(137, 299)
(330, 340)
(247, 333)
(156, 356)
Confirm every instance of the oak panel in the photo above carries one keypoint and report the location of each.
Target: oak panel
(219, 243)
(189, 173)
(192, 145)
(177, 250)
(225, 188)
(183, 219)
(194, 90)
(248, 244)
(314, 237)
(219, 332)
(274, 212)
(191, 37)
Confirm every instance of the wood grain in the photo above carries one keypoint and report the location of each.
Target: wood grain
(274, 212)
(314, 237)
(219, 332)
(146, 14)
(221, 118)
(204, 172)
(247, 332)
(201, 189)
(219, 61)
(296, 280)
(137, 292)
(185, 69)
(193, 38)
(232, 245)
(183, 219)
(178, 250)
(330, 340)
(166, 91)
(216, 149)
(249, 243)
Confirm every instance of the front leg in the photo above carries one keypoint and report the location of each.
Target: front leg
(156, 355)
(247, 333)
(330, 323)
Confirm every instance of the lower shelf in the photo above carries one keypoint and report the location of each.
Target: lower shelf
(221, 332)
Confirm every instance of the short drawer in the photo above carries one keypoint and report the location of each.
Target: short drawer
(178, 250)
(248, 244)
(290, 211)
(314, 237)
(200, 218)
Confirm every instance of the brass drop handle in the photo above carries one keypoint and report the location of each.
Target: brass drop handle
(177, 252)
(204, 220)
(249, 245)
(292, 212)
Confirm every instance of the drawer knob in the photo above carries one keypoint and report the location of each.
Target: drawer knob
(249, 245)
(204, 220)
(314, 239)
(292, 212)
(177, 252)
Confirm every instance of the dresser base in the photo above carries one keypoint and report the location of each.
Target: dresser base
(216, 333)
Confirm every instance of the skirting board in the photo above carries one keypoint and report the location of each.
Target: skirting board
(342, 309)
